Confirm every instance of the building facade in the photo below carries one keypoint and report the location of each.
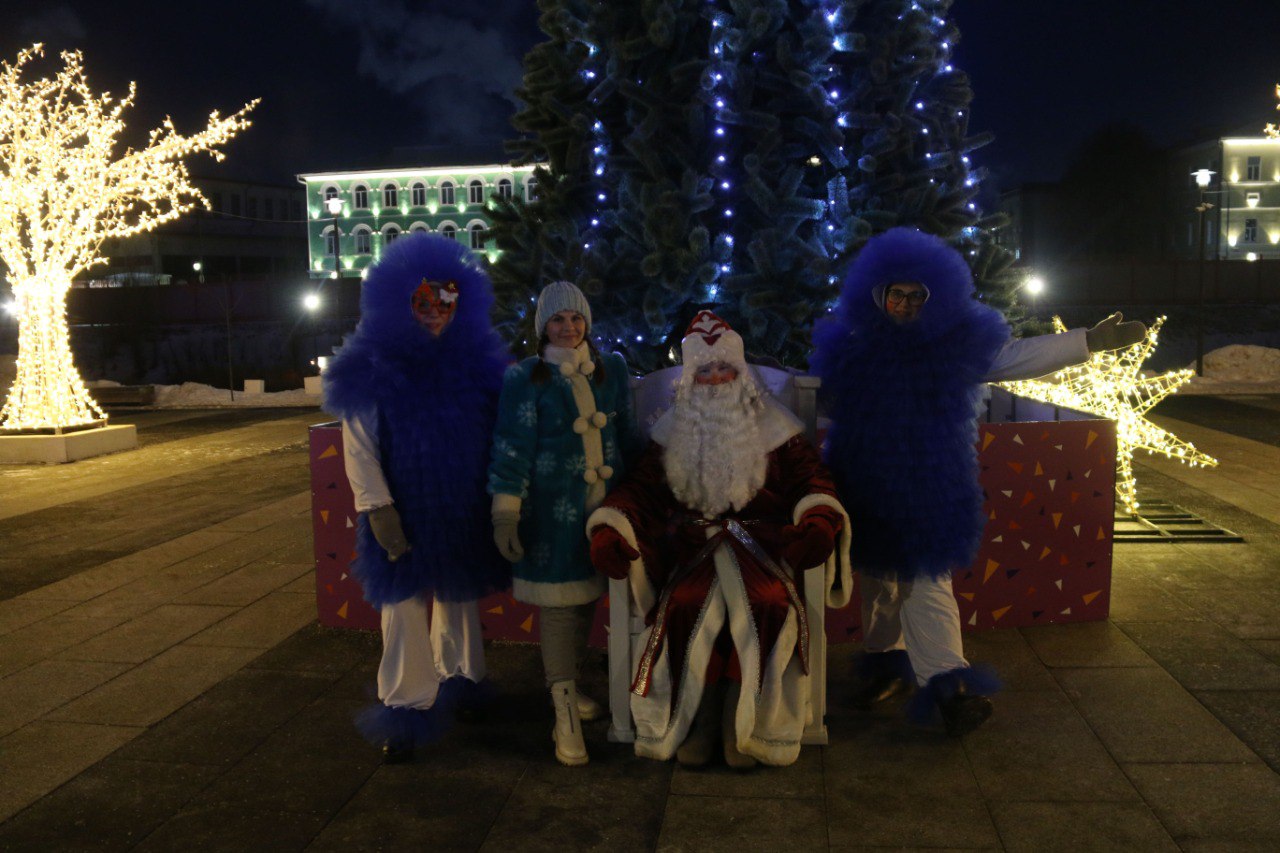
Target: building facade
(379, 205)
(251, 230)
(1244, 191)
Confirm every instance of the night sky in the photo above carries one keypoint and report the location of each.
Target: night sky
(345, 81)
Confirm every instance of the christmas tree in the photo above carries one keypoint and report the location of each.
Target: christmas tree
(733, 154)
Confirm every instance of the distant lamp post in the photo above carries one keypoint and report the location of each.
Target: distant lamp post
(1203, 178)
(334, 205)
(1034, 286)
(313, 303)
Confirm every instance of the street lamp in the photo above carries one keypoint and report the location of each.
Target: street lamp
(1203, 177)
(1034, 286)
(334, 205)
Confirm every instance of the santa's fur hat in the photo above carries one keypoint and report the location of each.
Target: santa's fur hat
(708, 340)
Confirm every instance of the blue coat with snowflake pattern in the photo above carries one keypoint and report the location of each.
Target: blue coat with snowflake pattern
(537, 457)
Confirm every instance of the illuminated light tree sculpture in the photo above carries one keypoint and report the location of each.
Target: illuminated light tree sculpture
(1271, 131)
(64, 189)
(1111, 384)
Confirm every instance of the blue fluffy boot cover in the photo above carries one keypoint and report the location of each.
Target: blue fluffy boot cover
(466, 696)
(890, 664)
(409, 727)
(976, 681)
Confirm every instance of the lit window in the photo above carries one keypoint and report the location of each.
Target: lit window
(449, 231)
(360, 197)
(419, 195)
(1253, 169)
(1250, 233)
(389, 236)
(504, 189)
(475, 192)
(330, 192)
(447, 193)
(531, 189)
(477, 236)
(390, 195)
(1252, 199)
(418, 228)
(330, 241)
(363, 242)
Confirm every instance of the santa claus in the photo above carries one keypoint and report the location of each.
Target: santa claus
(727, 507)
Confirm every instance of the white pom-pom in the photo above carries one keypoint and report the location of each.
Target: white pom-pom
(606, 471)
(580, 425)
(599, 419)
(590, 476)
(567, 369)
(587, 368)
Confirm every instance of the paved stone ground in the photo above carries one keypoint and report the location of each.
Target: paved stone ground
(163, 685)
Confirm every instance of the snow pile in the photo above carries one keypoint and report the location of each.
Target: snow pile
(1239, 368)
(193, 395)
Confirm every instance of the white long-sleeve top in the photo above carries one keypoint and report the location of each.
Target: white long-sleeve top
(1029, 358)
(363, 462)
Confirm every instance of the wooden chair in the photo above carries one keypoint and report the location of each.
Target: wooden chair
(653, 395)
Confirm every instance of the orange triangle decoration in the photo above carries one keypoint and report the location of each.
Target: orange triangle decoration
(992, 565)
(328, 588)
(987, 439)
(527, 624)
(1046, 552)
(1066, 612)
(1075, 496)
(1058, 584)
(324, 516)
(1044, 435)
(332, 451)
(967, 596)
(999, 538)
(1031, 590)
(1093, 436)
(1017, 438)
(1039, 470)
(1028, 498)
(342, 611)
(973, 620)
(996, 614)
(496, 610)
(992, 515)
(1090, 596)
(1052, 483)
(1062, 560)
(1013, 525)
(349, 524)
(1076, 529)
(1100, 536)
(1016, 466)
(1057, 519)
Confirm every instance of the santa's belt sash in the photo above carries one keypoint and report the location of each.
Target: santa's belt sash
(729, 530)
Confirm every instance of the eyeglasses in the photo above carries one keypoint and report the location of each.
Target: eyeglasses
(915, 297)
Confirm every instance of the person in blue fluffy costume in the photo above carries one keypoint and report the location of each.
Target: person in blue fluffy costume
(904, 361)
(417, 389)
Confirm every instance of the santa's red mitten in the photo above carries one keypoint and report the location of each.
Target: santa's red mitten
(811, 541)
(610, 553)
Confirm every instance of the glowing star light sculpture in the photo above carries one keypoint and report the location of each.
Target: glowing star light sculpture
(1111, 385)
(64, 188)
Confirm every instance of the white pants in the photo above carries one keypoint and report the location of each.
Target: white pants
(920, 616)
(420, 652)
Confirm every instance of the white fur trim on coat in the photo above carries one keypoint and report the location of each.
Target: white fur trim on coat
(838, 567)
(641, 588)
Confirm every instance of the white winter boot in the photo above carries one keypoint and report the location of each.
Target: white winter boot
(735, 759)
(588, 708)
(571, 750)
(701, 739)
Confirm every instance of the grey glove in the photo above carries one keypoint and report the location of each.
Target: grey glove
(1111, 333)
(507, 536)
(384, 521)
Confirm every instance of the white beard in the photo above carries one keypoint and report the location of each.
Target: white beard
(714, 458)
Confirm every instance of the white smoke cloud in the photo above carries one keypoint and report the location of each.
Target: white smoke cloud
(460, 73)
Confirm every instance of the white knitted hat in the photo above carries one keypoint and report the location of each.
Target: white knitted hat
(556, 297)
